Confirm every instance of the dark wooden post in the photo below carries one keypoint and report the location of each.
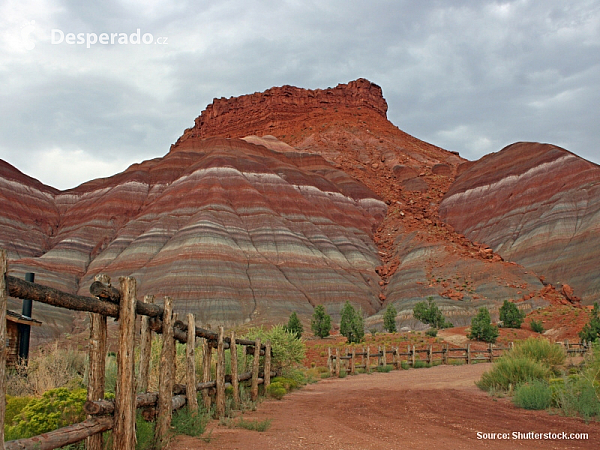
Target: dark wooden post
(491, 350)
(329, 362)
(362, 358)
(235, 383)
(145, 349)
(267, 368)
(124, 428)
(3, 300)
(165, 377)
(368, 359)
(384, 357)
(469, 353)
(353, 361)
(220, 375)
(255, 367)
(412, 355)
(190, 376)
(337, 362)
(206, 363)
(97, 362)
(379, 359)
(445, 354)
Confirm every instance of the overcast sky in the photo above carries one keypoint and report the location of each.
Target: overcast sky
(470, 76)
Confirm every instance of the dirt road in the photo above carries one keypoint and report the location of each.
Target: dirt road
(424, 409)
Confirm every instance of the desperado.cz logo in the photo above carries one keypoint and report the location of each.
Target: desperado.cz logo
(89, 39)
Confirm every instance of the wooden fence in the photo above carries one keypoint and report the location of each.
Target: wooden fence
(120, 414)
(444, 355)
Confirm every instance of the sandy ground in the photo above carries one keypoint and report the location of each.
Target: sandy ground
(431, 408)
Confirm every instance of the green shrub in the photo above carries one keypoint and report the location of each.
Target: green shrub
(294, 326)
(288, 383)
(419, 364)
(389, 319)
(144, 433)
(508, 372)
(320, 323)
(384, 369)
(510, 315)
(591, 330)
(343, 373)
(540, 350)
(537, 326)
(276, 390)
(188, 423)
(254, 425)
(56, 408)
(429, 313)
(287, 350)
(352, 325)
(579, 396)
(482, 328)
(14, 405)
(535, 394)
(432, 332)
(404, 365)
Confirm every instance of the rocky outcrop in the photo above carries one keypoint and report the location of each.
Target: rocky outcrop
(538, 205)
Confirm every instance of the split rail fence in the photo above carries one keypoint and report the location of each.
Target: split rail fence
(119, 415)
(443, 356)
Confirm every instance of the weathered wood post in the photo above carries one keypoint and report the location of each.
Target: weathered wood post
(190, 376)
(379, 359)
(329, 362)
(491, 350)
(206, 363)
(567, 346)
(124, 424)
(220, 375)
(165, 377)
(430, 355)
(3, 300)
(267, 368)
(145, 349)
(368, 359)
(469, 353)
(445, 354)
(255, 368)
(384, 357)
(337, 362)
(97, 362)
(353, 362)
(413, 352)
(362, 358)
(235, 383)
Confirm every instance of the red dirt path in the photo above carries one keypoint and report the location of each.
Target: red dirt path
(438, 407)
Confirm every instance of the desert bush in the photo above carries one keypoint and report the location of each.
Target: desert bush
(419, 364)
(429, 313)
(540, 350)
(389, 319)
(510, 315)
(276, 390)
(287, 350)
(320, 323)
(535, 394)
(254, 425)
(384, 369)
(55, 409)
(579, 396)
(189, 423)
(482, 328)
(432, 332)
(537, 326)
(294, 326)
(591, 330)
(352, 325)
(508, 372)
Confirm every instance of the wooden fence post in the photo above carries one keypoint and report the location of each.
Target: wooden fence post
(368, 359)
(491, 350)
(337, 362)
(362, 358)
(469, 353)
(430, 355)
(3, 300)
(145, 349)
(412, 355)
(384, 357)
(97, 362)
(165, 377)
(353, 361)
(329, 361)
(267, 368)
(255, 367)
(220, 375)
(124, 425)
(244, 363)
(235, 383)
(445, 349)
(206, 363)
(190, 377)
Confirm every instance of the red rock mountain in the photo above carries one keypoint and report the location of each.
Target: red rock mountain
(273, 202)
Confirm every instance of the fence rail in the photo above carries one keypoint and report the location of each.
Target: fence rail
(120, 414)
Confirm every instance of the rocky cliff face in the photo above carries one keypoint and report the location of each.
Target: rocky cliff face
(278, 201)
(538, 205)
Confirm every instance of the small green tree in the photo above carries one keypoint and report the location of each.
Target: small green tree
(428, 312)
(510, 315)
(320, 323)
(591, 330)
(389, 319)
(482, 328)
(352, 325)
(294, 325)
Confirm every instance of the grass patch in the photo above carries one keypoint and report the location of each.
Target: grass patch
(535, 394)
(508, 372)
(385, 369)
(540, 350)
(254, 425)
(188, 423)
